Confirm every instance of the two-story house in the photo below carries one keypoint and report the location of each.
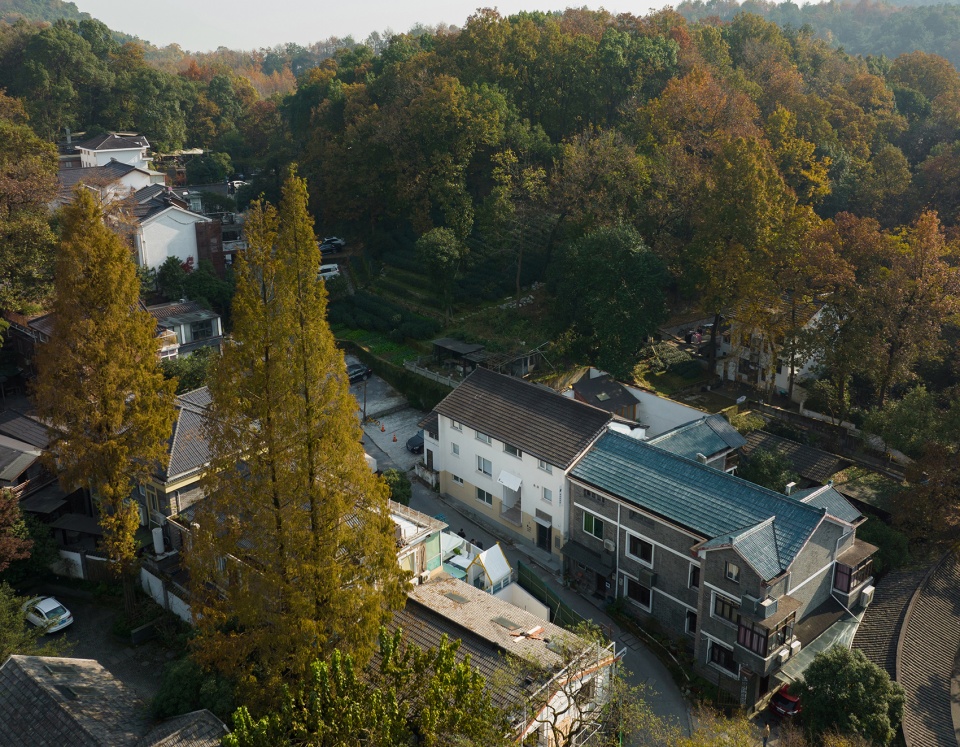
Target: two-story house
(502, 448)
(745, 575)
(192, 326)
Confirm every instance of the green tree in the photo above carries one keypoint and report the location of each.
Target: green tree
(14, 543)
(619, 286)
(843, 690)
(16, 636)
(407, 695)
(190, 371)
(400, 488)
(212, 168)
(916, 420)
(444, 255)
(44, 550)
(768, 469)
(99, 385)
(171, 278)
(28, 182)
(293, 553)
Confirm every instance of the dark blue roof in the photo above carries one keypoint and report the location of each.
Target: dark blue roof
(705, 500)
(828, 498)
(707, 436)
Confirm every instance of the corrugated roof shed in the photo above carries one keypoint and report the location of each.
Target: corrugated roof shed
(535, 419)
(811, 464)
(704, 500)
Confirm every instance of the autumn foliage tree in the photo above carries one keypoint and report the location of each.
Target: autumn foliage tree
(99, 385)
(293, 552)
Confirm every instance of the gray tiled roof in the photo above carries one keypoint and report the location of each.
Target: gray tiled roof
(708, 436)
(758, 544)
(114, 141)
(879, 630)
(196, 729)
(811, 464)
(604, 392)
(24, 428)
(533, 418)
(189, 449)
(97, 176)
(52, 702)
(828, 498)
(929, 640)
(707, 501)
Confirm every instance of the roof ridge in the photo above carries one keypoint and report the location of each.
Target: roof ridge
(678, 429)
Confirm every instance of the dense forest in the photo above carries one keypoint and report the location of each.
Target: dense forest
(738, 167)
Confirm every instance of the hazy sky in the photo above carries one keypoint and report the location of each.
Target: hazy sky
(201, 25)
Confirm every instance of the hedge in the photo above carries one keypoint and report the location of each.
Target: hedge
(421, 393)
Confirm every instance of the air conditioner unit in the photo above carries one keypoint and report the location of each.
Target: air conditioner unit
(608, 545)
(424, 577)
(795, 648)
(866, 596)
(783, 655)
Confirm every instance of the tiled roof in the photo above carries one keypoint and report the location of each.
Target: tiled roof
(96, 176)
(196, 729)
(758, 544)
(811, 464)
(175, 312)
(708, 436)
(532, 418)
(189, 449)
(114, 141)
(828, 498)
(42, 322)
(929, 639)
(604, 392)
(879, 631)
(15, 458)
(707, 501)
(24, 428)
(51, 702)
(431, 423)
(154, 199)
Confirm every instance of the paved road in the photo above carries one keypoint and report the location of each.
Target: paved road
(644, 668)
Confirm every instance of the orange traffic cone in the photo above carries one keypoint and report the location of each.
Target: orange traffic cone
(383, 428)
(394, 437)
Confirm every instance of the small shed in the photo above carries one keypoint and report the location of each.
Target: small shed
(490, 570)
(458, 354)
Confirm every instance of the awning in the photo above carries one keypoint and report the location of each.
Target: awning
(841, 633)
(543, 522)
(585, 556)
(510, 480)
(78, 523)
(44, 502)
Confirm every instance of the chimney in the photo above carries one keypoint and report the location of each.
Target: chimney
(701, 458)
(790, 487)
(69, 137)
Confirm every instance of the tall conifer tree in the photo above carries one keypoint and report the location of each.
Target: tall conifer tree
(99, 383)
(295, 537)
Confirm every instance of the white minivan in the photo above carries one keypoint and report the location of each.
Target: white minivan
(329, 271)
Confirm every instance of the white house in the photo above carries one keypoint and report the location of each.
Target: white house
(111, 182)
(124, 147)
(192, 325)
(502, 447)
(164, 227)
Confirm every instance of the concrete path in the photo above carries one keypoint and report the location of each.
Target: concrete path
(644, 668)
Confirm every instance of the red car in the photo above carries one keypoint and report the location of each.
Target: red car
(785, 704)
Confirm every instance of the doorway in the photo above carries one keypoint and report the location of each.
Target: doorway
(543, 537)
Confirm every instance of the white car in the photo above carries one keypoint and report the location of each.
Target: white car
(329, 271)
(47, 613)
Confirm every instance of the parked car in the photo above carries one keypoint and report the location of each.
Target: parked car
(327, 248)
(329, 271)
(415, 443)
(785, 704)
(47, 613)
(358, 372)
(335, 241)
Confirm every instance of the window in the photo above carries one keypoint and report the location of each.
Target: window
(153, 499)
(722, 657)
(753, 638)
(548, 495)
(732, 572)
(458, 480)
(595, 497)
(640, 549)
(544, 466)
(691, 622)
(484, 465)
(513, 451)
(726, 609)
(201, 330)
(455, 449)
(638, 593)
(483, 437)
(846, 578)
(483, 495)
(592, 525)
(694, 577)
(455, 425)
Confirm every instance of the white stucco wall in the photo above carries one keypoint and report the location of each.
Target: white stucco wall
(534, 479)
(170, 234)
(133, 156)
(660, 414)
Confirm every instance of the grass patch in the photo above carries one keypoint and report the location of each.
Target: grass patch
(378, 344)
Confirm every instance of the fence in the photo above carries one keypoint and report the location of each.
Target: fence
(168, 594)
(73, 564)
(432, 375)
(560, 612)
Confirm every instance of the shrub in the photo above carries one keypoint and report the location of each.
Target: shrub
(400, 488)
(894, 546)
(185, 687)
